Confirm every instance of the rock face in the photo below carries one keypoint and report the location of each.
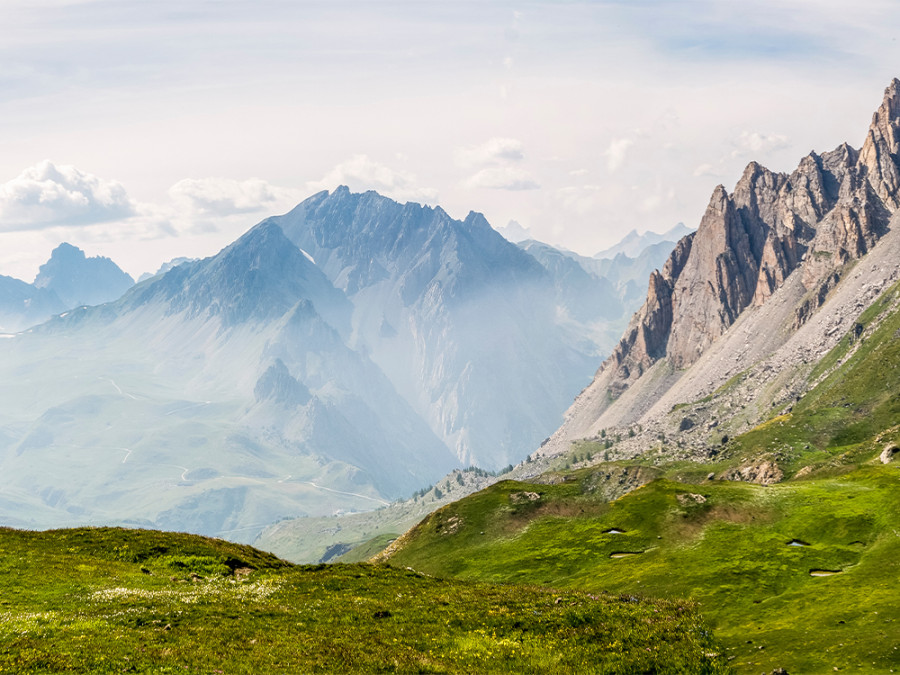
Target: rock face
(764, 472)
(830, 210)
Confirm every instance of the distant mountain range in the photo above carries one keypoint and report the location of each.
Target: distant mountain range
(340, 356)
(633, 243)
(69, 279)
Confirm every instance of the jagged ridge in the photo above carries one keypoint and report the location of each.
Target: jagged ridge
(830, 210)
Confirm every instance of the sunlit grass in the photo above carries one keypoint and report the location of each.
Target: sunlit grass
(111, 600)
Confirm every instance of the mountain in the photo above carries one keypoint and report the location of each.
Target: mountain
(332, 359)
(741, 444)
(462, 322)
(593, 298)
(216, 398)
(514, 232)
(78, 280)
(797, 505)
(778, 269)
(68, 279)
(584, 295)
(23, 305)
(632, 244)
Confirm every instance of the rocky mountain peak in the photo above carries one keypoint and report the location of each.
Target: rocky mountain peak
(829, 210)
(79, 280)
(887, 116)
(879, 151)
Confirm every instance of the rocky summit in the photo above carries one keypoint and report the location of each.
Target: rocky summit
(801, 230)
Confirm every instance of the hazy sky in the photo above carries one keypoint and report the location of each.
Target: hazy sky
(149, 130)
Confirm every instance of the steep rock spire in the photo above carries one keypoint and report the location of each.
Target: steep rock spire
(881, 147)
(831, 209)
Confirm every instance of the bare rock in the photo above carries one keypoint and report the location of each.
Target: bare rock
(805, 471)
(523, 497)
(887, 455)
(762, 471)
(686, 424)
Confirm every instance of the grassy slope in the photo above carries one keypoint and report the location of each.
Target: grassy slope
(730, 553)
(729, 550)
(110, 600)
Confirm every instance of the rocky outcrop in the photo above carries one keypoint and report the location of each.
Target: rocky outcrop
(830, 210)
(763, 471)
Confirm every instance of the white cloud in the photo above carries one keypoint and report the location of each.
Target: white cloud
(361, 173)
(502, 178)
(753, 142)
(225, 196)
(46, 195)
(493, 152)
(615, 153)
(705, 170)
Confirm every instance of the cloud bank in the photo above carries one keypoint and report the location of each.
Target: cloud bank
(47, 195)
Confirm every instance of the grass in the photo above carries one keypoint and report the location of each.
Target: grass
(724, 544)
(110, 601)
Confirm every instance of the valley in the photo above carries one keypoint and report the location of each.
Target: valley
(317, 387)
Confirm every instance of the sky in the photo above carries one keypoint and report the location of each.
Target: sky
(145, 131)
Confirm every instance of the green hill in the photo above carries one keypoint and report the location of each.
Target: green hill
(113, 601)
(800, 574)
(750, 556)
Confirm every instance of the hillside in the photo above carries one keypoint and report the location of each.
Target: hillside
(798, 576)
(784, 535)
(111, 601)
